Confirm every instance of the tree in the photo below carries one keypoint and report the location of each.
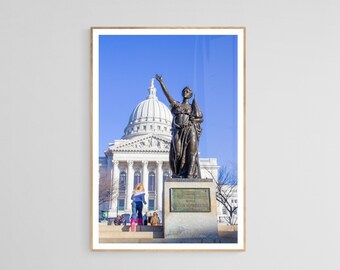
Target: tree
(108, 191)
(226, 187)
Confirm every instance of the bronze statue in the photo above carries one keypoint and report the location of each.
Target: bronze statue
(186, 131)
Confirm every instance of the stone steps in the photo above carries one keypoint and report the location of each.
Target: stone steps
(127, 235)
(227, 237)
(108, 234)
(126, 228)
(155, 234)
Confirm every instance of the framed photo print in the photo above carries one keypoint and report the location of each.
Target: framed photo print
(168, 138)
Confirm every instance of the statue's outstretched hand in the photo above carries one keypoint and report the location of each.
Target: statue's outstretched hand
(159, 78)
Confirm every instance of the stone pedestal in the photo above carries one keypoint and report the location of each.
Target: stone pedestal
(190, 209)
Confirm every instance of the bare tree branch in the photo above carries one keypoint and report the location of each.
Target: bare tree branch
(107, 191)
(226, 183)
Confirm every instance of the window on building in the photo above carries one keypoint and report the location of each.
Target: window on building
(151, 205)
(144, 127)
(122, 182)
(121, 204)
(165, 176)
(137, 178)
(151, 187)
(224, 211)
(159, 127)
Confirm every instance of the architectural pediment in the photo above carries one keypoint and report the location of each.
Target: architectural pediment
(147, 143)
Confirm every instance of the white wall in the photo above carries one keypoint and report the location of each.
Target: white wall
(292, 131)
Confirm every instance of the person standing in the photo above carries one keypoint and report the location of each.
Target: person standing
(145, 219)
(138, 199)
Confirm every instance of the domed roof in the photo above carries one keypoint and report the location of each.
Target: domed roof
(149, 116)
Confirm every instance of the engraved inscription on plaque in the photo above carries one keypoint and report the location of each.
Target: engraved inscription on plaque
(189, 200)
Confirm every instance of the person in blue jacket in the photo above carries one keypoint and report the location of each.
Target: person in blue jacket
(138, 199)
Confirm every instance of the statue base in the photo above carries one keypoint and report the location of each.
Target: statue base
(190, 209)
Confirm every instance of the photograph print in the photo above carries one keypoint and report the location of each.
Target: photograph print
(168, 138)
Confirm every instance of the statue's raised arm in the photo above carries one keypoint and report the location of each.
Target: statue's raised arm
(165, 90)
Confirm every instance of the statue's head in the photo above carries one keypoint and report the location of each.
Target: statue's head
(186, 92)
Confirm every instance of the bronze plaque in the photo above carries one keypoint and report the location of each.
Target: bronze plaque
(189, 200)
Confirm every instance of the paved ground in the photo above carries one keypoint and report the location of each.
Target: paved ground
(149, 234)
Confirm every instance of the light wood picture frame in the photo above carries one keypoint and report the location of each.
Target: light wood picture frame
(131, 136)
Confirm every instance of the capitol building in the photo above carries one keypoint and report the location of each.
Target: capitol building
(142, 155)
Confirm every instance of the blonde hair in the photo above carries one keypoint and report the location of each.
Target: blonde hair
(154, 220)
(139, 187)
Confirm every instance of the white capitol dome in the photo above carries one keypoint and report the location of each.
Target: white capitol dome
(149, 116)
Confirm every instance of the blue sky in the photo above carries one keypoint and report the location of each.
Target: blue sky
(207, 64)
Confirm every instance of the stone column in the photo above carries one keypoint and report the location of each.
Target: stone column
(146, 183)
(130, 186)
(115, 182)
(108, 180)
(159, 186)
